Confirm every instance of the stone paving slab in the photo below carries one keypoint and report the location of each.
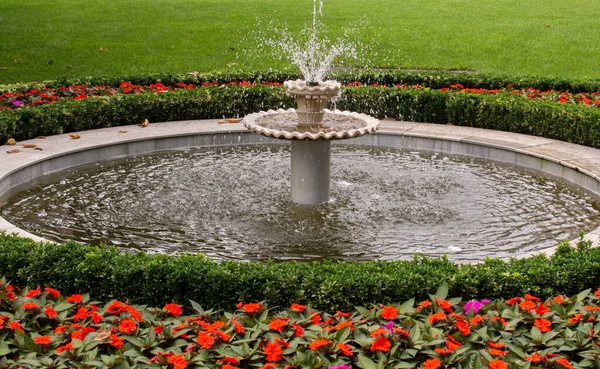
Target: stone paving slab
(547, 154)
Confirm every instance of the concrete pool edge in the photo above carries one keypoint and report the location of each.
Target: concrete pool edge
(577, 164)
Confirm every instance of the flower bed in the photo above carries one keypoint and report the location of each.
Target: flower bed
(35, 97)
(39, 327)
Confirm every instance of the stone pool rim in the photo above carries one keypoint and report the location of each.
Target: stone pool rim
(579, 165)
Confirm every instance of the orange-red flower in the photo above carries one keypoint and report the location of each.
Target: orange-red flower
(564, 362)
(50, 313)
(75, 299)
(463, 327)
(576, 318)
(432, 364)
(527, 305)
(379, 332)
(389, 313)
(342, 325)
(423, 305)
(173, 309)
(239, 328)
(178, 361)
(52, 292)
(345, 349)
(116, 308)
(42, 340)
(116, 341)
(496, 352)
(513, 301)
(543, 324)
(495, 345)
(477, 319)
(277, 324)
(205, 340)
(317, 344)
(15, 326)
(534, 358)
(298, 308)
(497, 364)
(381, 344)
(433, 318)
(541, 309)
(273, 351)
(299, 331)
(33, 293)
(67, 347)
(445, 305)
(30, 305)
(127, 326)
(597, 293)
(250, 308)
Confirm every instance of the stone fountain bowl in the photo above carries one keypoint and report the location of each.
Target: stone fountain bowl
(336, 125)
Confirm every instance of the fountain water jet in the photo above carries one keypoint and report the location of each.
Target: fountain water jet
(314, 127)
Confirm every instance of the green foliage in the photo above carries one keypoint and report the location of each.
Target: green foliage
(567, 122)
(155, 279)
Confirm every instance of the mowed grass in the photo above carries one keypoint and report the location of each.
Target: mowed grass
(66, 38)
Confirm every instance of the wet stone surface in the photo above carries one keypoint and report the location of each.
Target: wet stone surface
(234, 203)
(331, 123)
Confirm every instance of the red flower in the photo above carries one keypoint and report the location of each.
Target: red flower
(379, 332)
(33, 293)
(205, 340)
(173, 309)
(298, 308)
(75, 299)
(477, 319)
(116, 308)
(50, 313)
(344, 324)
(389, 313)
(116, 341)
(229, 360)
(239, 328)
(227, 366)
(299, 330)
(445, 305)
(496, 352)
(42, 340)
(252, 308)
(381, 344)
(433, 318)
(564, 362)
(67, 347)
(423, 305)
(543, 324)
(317, 344)
(277, 324)
(345, 349)
(30, 305)
(178, 361)
(82, 313)
(497, 364)
(463, 327)
(127, 326)
(576, 318)
(273, 351)
(495, 345)
(541, 309)
(535, 358)
(432, 364)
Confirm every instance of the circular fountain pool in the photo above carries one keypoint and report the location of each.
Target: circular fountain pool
(233, 203)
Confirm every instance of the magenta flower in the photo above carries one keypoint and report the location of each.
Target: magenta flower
(17, 102)
(343, 366)
(475, 305)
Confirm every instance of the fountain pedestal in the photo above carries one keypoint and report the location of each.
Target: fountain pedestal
(311, 129)
(311, 163)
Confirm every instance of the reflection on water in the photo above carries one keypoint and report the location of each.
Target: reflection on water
(234, 203)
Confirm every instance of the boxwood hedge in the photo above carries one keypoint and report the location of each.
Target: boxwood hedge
(107, 273)
(572, 123)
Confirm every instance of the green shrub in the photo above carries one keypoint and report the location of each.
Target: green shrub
(107, 273)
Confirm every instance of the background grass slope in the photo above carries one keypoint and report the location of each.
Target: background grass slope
(50, 40)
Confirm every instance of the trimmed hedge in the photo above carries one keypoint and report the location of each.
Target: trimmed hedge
(106, 273)
(572, 123)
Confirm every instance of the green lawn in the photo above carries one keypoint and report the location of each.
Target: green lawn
(52, 39)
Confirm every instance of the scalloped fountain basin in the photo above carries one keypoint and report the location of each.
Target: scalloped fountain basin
(336, 125)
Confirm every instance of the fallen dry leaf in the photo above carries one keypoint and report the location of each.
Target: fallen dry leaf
(234, 120)
(100, 49)
(17, 60)
(29, 146)
(40, 137)
(13, 151)
(39, 148)
(75, 136)
(122, 131)
(145, 124)
(11, 141)
(3, 68)
(193, 73)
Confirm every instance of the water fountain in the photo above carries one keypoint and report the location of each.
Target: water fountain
(311, 127)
